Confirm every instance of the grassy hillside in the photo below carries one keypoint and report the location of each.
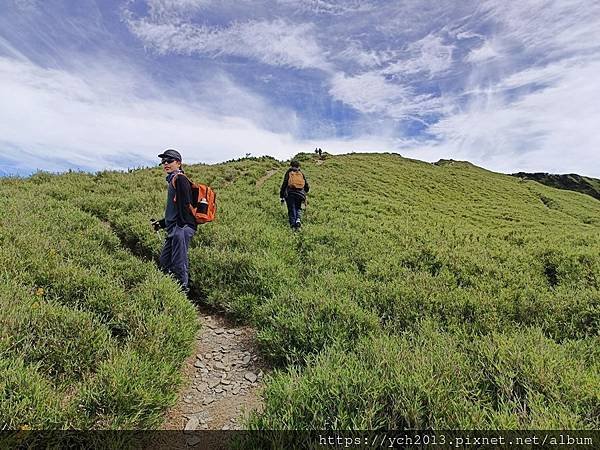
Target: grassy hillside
(90, 336)
(419, 295)
(572, 182)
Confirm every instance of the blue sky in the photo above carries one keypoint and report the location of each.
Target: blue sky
(108, 84)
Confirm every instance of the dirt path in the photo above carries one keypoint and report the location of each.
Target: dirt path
(265, 177)
(224, 377)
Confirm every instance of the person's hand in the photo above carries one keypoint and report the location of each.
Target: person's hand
(155, 224)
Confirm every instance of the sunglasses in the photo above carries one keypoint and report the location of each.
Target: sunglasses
(167, 160)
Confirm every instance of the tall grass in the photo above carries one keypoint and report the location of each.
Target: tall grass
(90, 336)
(415, 294)
(431, 379)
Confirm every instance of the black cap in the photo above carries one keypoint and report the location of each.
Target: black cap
(170, 153)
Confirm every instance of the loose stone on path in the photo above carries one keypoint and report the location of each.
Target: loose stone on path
(224, 379)
(250, 377)
(192, 423)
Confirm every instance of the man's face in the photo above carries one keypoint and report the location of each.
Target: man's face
(170, 164)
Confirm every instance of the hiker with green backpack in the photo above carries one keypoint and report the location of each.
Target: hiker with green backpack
(293, 191)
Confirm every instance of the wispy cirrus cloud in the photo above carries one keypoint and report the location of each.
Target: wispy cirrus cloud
(546, 25)
(487, 51)
(276, 42)
(429, 55)
(160, 9)
(510, 86)
(330, 7)
(371, 93)
(71, 119)
(368, 92)
(355, 53)
(549, 127)
(111, 116)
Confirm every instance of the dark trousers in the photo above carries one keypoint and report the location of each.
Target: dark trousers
(174, 256)
(294, 206)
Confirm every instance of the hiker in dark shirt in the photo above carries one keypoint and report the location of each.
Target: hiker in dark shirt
(293, 191)
(178, 221)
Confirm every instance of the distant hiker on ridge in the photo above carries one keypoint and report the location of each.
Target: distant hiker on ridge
(178, 220)
(293, 191)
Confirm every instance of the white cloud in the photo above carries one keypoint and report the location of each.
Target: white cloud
(332, 7)
(355, 53)
(551, 129)
(69, 116)
(514, 83)
(429, 55)
(485, 52)
(58, 119)
(370, 92)
(172, 8)
(6, 48)
(546, 25)
(277, 42)
(468, 35)
(536, 107)
(542, 75)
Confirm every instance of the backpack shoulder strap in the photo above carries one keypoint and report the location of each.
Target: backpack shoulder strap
(175, 176)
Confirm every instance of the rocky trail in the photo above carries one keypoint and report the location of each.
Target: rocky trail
(224, 377)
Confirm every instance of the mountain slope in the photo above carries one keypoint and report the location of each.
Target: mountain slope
(572, 182)
(415, 295)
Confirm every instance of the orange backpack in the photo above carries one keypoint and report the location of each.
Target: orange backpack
(296, 180)
(204, 201)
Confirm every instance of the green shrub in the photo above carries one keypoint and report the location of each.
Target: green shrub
(299, 322)
(387, 243)
(129, 391)
(66, 343)
(431, 379)
(28, 399)
(74, 307)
